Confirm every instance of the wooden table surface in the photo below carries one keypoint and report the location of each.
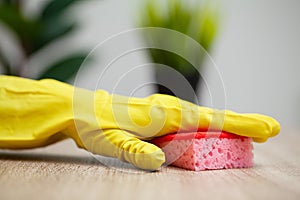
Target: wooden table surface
(62, 171)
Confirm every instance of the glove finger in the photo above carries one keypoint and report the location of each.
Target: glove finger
(257, 126)
(126, 147)
(185, 116)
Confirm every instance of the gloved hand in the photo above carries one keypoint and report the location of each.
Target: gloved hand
(38, 113)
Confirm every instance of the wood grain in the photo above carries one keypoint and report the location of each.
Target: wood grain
(62, 171)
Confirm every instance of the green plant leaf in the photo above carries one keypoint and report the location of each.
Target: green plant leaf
(64, 69)
(24, 28)
(56, 7)
(53, 24)
(7, 1)
(50, 31)
(198, 21)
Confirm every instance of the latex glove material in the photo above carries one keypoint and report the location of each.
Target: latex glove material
(38, 113)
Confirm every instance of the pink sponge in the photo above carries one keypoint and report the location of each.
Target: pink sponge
(206, 150)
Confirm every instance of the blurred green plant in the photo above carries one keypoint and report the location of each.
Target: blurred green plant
(36, 33)
(198, 20)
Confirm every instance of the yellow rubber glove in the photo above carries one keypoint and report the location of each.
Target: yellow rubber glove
(38, 113)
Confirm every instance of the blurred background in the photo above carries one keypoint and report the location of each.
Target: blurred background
(255, 46)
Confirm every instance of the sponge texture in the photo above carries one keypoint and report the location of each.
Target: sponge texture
(206, 150)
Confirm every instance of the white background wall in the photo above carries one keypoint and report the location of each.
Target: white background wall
(257, 53)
